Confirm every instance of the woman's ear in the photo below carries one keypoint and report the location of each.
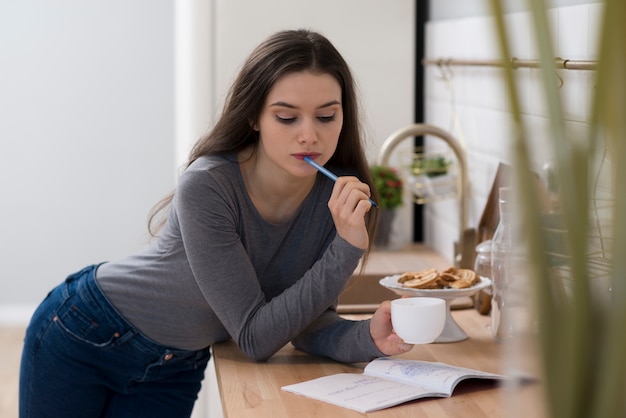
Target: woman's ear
(254, 125)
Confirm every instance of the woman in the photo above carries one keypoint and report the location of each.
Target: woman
(254, 245)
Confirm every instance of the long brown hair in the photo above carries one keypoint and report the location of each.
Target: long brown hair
(283, 53)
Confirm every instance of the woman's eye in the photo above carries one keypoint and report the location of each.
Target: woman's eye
(285, 119)
(326, 119)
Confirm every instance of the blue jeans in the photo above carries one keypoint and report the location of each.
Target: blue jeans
(81, 358)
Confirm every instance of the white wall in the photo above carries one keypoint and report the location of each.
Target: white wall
(100, 102)
(453, 9)
(86, 134)
(471, 102)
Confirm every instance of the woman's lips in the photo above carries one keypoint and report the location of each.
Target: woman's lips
(311, 155)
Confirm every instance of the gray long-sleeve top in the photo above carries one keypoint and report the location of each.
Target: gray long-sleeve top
(218, 270)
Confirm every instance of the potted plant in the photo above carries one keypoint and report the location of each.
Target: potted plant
(389, 186)
(580, 335)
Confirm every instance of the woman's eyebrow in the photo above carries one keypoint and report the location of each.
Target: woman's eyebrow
(291, 106)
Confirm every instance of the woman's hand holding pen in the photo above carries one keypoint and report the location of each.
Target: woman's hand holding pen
(348, 204)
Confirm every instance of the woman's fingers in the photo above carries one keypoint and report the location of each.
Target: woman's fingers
(349, 191)
(349, 202)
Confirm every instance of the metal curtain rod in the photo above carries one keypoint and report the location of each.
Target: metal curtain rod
(560, 63)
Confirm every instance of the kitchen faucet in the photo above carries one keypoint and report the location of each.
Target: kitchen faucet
(464, 247)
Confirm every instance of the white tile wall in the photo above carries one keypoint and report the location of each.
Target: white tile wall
(471, 102)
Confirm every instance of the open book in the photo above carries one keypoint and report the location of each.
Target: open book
(387, 382)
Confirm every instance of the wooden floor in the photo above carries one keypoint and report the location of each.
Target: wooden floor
(11, 341)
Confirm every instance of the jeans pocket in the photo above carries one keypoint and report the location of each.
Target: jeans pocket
(202, 359)
(83, 327)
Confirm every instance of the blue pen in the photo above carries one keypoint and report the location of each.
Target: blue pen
(329, 174)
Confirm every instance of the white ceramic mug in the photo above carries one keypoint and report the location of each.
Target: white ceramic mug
(418, 320)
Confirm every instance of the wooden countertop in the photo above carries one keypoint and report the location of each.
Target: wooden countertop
(252, 389)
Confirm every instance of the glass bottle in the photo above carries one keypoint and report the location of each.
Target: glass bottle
(482, 267)
(482, 262)
(501, 271)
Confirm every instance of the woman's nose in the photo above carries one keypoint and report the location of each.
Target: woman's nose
(307, 132)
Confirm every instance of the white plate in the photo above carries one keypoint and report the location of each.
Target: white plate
(391, 283)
